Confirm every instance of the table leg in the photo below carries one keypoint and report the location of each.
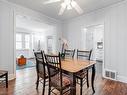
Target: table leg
(73, 87)
(93, 77)
(6, 80)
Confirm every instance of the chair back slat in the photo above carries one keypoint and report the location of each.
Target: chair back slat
(38, 55)
(84, 54)
(69, 53)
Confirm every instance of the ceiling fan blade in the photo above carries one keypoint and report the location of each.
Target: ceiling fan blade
(62, 10)
(77, 7)
(51, 1)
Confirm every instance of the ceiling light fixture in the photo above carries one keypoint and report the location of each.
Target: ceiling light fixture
(67, 4)
(69, 7)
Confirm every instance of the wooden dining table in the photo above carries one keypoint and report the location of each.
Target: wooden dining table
(72, 66)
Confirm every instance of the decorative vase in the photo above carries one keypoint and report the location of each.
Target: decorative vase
(62, 56)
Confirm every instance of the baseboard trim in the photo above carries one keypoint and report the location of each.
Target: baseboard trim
(11, 76)
(122, 79)
(109, 78)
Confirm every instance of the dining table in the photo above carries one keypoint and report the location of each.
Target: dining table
(73, 66)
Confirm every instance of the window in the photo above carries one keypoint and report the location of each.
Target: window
(18, 41)
(27, 41)
(22, 41)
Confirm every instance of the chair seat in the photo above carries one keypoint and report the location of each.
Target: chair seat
(81, 74)
(4, 77)
(55, 81)
(42, 75)
(53, 72)
(2, 73)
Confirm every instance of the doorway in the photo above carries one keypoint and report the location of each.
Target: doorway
(31, 34)
(94, 39)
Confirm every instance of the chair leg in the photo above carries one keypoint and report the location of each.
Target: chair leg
(61, 93)
(81, 84)
(37, 83)
(43, 93)
(87, 79)
(7, 80)
(49, 90)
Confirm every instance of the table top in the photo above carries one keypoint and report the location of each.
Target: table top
(75, 65)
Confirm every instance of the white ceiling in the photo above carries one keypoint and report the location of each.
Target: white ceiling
(52, 10)
(25, 22)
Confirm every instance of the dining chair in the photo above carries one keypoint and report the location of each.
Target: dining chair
(42, 75)
(83, 75)
(84, 54)
(4, 77)
(60, 81)
(68, 53)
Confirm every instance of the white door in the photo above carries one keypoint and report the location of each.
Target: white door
(50, 44)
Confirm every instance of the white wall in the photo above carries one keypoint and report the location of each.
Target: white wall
(6, 38)
(115, 20)
(42, 36)
(7, 15)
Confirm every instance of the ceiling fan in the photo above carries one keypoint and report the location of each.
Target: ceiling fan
(66, 4)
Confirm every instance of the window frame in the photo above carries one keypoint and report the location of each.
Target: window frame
(23, 41)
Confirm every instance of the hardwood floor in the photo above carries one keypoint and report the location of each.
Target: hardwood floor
(24, 84)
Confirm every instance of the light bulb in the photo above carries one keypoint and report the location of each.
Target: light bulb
(69, 7)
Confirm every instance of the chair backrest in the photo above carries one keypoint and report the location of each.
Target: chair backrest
(38, 54)
(54, 64)
(69, 53)
(84, 54)
(40, 63)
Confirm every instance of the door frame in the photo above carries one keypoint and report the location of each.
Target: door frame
(103, 64)
(15, 13)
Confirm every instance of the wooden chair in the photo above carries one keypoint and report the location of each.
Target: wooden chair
(4, 77)
(42, 74)
(69, 53)
(83, 75)
(84, 54)
(60, 81)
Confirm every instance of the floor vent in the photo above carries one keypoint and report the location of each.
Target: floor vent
(110, 74)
